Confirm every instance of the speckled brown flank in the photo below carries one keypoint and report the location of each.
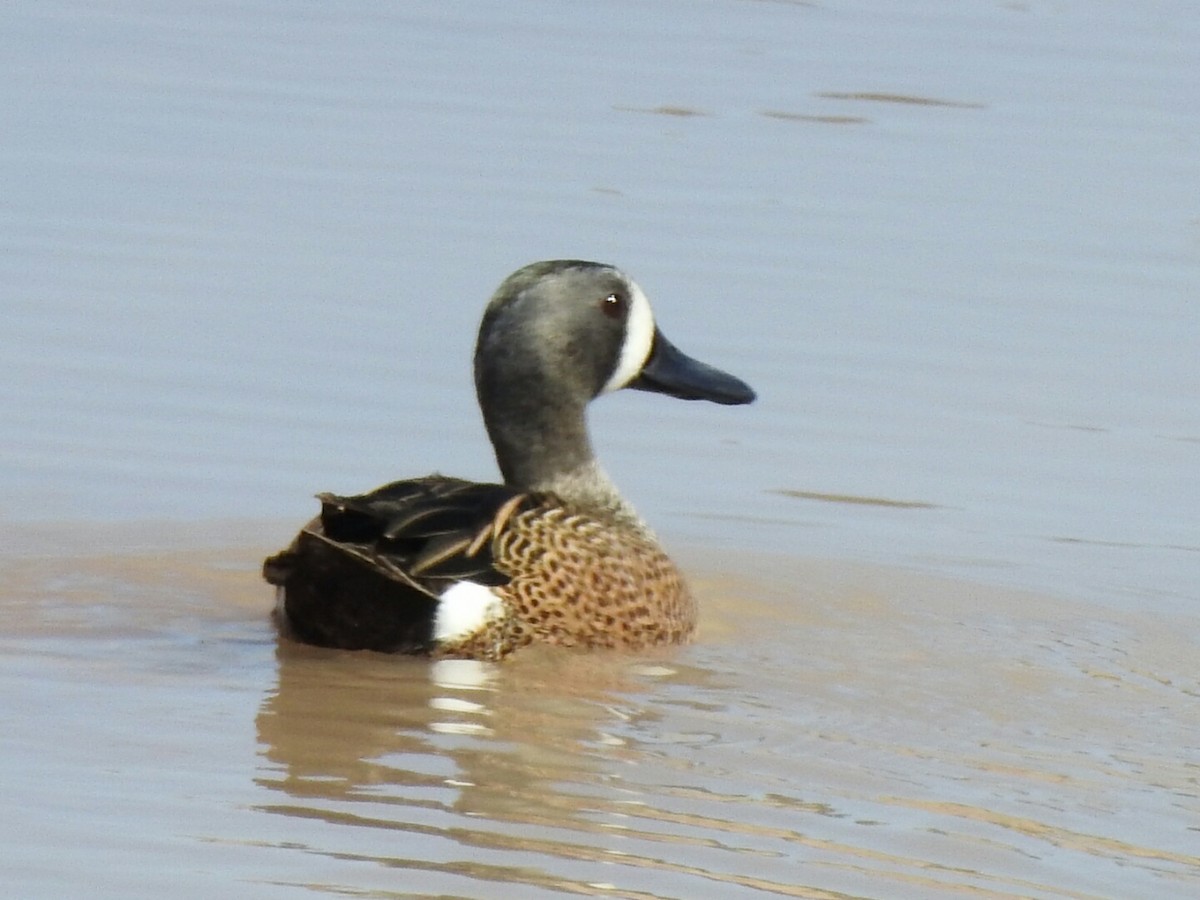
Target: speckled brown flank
(578, 582)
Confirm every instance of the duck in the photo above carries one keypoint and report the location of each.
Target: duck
(450, 568)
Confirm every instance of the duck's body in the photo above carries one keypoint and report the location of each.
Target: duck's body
(453, 568)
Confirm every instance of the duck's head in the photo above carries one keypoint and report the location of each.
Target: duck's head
(586, 328)
(557, 334)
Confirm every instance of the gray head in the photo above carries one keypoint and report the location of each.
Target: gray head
(554, 336)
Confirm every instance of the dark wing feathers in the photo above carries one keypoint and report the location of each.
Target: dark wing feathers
(368, 570)
(438, 550)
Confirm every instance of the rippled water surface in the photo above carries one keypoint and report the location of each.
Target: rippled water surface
(948, 562)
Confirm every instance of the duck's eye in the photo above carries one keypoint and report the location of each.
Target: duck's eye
(613, 306)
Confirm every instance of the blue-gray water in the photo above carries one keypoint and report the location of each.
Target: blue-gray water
(950, 558)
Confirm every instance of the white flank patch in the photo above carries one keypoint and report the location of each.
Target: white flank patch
(639, 336)
(463, 609)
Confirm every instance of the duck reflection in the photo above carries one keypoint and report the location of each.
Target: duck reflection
(517, 741)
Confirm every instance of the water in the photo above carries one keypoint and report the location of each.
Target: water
(948, 561)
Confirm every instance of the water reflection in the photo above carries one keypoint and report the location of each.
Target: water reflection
(548, 770)
(495, 744)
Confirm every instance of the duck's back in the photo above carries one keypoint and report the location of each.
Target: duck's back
(383, 571)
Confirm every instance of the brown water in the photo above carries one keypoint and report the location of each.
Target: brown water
(948, 562)
(837, 731)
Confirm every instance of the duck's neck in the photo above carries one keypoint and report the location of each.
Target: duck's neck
(545, 447)
(588, 487)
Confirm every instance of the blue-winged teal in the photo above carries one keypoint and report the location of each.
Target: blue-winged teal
(453, 568)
